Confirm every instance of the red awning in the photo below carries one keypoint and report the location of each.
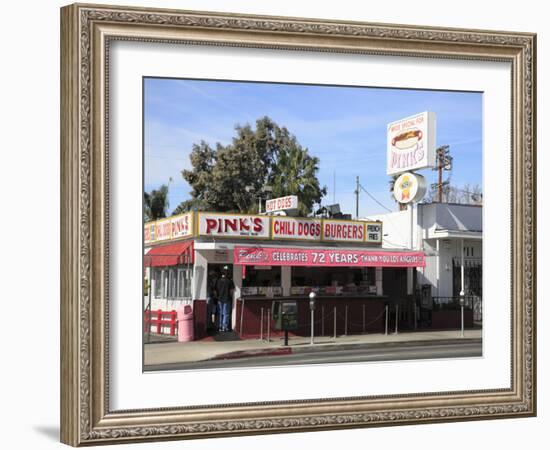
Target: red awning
(170, 255)
(333, 257)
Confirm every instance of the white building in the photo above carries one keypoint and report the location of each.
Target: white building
(271, 257)
(441, 230)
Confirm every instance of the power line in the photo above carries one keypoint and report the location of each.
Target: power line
(371, 196)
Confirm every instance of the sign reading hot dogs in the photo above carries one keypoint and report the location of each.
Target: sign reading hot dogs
(272, 256)
(281, 203)
(233, 225)
(411, 143)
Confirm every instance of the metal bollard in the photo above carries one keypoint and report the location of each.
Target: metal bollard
(268, 319)
(396, 318)
(462, 321)
(311, 342)
(261, 324)
(387, 317)
(335, 323)
(364, 329)
(346, 322)
(242, 312)
(322, 320)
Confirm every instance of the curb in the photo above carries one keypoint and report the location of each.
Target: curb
(427, 342)
(306, 348)
(273, 351)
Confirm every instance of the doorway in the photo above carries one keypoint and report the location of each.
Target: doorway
(213, 306)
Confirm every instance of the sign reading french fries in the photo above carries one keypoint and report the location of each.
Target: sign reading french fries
(411, 143)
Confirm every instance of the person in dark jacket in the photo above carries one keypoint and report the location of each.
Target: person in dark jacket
(224, 290)
(212, 302)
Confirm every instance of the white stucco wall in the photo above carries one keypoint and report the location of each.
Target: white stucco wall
(396, 228)
(432, 223)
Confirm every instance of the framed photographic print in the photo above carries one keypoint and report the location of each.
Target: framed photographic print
(335, 219)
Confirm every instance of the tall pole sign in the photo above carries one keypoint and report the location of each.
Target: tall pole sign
(411, 143)
(410, 147)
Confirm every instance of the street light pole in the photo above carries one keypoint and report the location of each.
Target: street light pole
(462, 288)
(461, 317)
(312, 296)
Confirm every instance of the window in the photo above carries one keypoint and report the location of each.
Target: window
(158, 279)
(348, 280)
(262, 276)
(172, 283)
(183, 285)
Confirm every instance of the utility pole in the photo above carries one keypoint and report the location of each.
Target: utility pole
(439, 177)
(334, 187)
(444, 162)
(357, 197)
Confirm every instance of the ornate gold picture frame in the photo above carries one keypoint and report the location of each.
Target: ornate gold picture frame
(87, 32)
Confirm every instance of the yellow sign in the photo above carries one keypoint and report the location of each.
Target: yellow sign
(249, 226)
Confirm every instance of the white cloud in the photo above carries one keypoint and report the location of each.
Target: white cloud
(167, 150)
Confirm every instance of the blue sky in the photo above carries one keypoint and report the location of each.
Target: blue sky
(345, 127)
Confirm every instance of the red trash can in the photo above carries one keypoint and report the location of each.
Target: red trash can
(185, 323)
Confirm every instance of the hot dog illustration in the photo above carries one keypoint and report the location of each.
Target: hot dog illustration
(407, 139)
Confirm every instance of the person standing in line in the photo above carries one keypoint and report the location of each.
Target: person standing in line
(212, 302)
(224, 289)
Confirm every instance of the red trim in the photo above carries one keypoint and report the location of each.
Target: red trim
(170, 255)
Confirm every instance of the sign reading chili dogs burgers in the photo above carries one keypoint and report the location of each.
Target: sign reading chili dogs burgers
(296, 228)
(411, 143)
(343, 230)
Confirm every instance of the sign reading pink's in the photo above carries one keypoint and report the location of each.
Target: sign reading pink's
(273, 256)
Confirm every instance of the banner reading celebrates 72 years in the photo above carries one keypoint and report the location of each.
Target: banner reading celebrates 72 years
(273, 256)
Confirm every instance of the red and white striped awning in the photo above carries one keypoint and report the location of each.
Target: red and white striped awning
(170, 255)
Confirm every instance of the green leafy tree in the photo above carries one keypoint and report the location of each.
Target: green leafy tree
(230, 178)
(295, 173)
(189, 205)
(155, 203)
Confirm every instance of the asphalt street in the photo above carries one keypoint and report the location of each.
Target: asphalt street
(360, 354)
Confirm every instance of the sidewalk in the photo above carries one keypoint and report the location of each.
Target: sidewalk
(181, 352)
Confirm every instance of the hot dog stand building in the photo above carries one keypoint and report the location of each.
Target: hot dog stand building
(272, 258)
